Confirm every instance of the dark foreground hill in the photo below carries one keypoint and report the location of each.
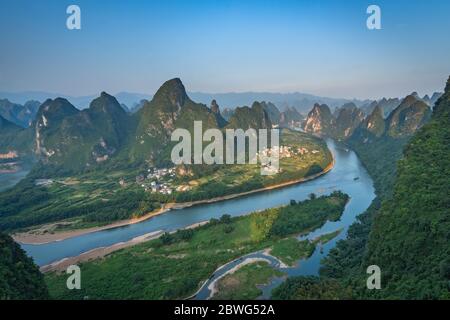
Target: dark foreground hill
(19, 276)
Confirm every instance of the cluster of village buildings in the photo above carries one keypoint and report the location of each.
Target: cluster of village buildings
(9, 155)
(157, 180)
(285, 151)
(161, 180)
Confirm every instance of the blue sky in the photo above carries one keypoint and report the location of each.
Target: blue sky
(318, 47)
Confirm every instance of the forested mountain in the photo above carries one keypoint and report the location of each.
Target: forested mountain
(75, 140)
(349, 122)
(19, 276)
(349, 117)
(386, 105)
(411, 233)
(15, 139)
(374, 123)
(21, 115)
(272, 111)
(9, 133)
(340, 125)
(320, 120)
(410, 115)
(290, 117)
(7, 127)
(255, 117)
(379, 142)
(169, 109)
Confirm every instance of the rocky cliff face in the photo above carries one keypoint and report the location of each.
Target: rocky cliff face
(320, 121)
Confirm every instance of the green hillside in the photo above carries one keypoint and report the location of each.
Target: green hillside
(410, 237)
(254, 117)
(19, 276)
(405, 231)
(169, 109)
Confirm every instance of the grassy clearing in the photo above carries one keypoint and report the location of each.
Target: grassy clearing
(327, 237)
(243, 284)
(290, 250)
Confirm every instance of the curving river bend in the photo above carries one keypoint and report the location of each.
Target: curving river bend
(348, 175)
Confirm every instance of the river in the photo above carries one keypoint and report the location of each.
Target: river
(348, 175)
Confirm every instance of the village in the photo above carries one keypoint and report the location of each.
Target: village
(279, 152)
(284, 151)
(161, 180)
(156, 180)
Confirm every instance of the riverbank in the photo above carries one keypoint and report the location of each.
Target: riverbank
(61, 265)
(31, 237)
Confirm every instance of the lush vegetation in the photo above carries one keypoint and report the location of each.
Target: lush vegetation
(342, 269)
(380, 158)
(310, 288)
(243, 284)
(96, 197)
(406, 229)
(19, 276)
(290, 250)
(93, 199)
(411, 233)
(98, 160)
(208, 182)
(175, 265)
(290, 219)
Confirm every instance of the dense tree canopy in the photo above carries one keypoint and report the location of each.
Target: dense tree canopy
(19, 276)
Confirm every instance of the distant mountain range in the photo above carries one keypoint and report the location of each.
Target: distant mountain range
(66, 138)
(349, 121)
(81, 102)
(301, 102)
